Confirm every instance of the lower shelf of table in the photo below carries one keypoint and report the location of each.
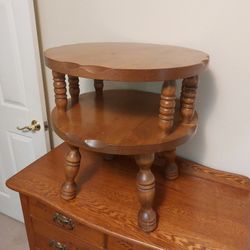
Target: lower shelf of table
(202, 209)
(120, 122)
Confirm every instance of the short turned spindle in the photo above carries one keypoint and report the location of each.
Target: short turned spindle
(188, 96)
(167, 106)
(74, 89)
(60, 91)
(98, 84)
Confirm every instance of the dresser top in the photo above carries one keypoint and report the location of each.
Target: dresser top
(126, 61)
(202, 209)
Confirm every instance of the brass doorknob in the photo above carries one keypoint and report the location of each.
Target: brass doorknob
(34, 126)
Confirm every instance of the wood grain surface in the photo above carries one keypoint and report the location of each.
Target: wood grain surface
(202, 209)
(120, 122)
(126, 61)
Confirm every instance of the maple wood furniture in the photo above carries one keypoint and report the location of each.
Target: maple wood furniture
(202, 209)
(125, 122)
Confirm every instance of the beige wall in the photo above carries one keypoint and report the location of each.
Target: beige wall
(220, 28)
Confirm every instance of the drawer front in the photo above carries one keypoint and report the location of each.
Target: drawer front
(115, 244)
(49, 237)
(44, 213)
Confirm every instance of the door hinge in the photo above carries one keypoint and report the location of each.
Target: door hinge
(46, 125)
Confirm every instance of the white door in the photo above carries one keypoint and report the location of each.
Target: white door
(21, 97)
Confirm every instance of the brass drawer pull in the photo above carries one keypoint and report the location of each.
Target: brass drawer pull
(63, 221)
(57, 245)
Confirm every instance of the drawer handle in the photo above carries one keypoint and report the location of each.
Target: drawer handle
(57, 245)
(63, 221)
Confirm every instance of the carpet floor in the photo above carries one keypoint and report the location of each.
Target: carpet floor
(12, 234)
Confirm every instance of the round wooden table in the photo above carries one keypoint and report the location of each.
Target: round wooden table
(125, 122)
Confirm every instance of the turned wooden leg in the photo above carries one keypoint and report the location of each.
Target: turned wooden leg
(60, 91)
(188, 95)
(146, 192)
(74, 89)
(171, 170)
(69, 188)
(98, 87)
(167, 106)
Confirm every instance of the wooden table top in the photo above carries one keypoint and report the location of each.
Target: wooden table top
(120, 122)
(202, 209)
(126, 61)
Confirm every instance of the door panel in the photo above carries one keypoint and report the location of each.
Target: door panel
(22, 150)
(11, 80)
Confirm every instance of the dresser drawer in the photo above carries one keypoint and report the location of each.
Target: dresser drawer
(49, 237)
(66, 224)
